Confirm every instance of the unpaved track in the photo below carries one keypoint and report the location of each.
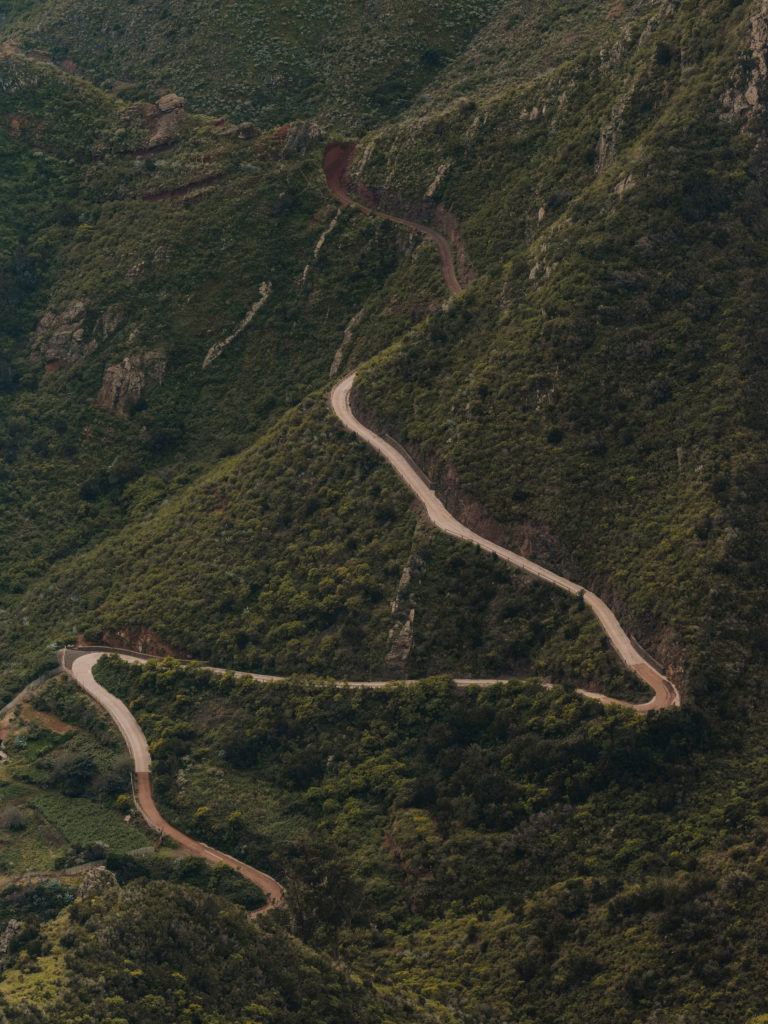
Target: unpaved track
(665, 694)
(79, 664)
(335, 165)
(337, 159)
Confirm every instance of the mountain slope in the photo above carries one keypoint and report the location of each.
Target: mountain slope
(178, 290)
(599, 382)
(342, 62)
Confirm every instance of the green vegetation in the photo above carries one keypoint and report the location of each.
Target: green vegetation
(170, 954)
(220, 880)
(483, 847)
(336, 61)
(184, 538)
(598, 383)
(63, 793)
(82, 823)
(64, 796)
(594, 398)
(272, 551)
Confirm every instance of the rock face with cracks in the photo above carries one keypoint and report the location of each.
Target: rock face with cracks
(750, 90)
(125, 384)
(63, 339)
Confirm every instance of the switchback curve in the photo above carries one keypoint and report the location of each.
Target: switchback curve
(79, 664)
(335, 165)
(665, 694)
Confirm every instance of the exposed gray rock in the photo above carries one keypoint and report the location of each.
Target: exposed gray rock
(108, 322)
(16, 73)
(124, 384)
(400, 643)
(300, 136)
(61, 339)
(11, 930)
(168, 120)
(96, 880)
(750, 90)
(609, 134)
(265, 290)
(171, 101)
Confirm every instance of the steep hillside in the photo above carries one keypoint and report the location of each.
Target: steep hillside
(171, 953)
(191, 281)
(176, 283)
(178, 288)
(152, 245)
(596, 391)
(342, 62)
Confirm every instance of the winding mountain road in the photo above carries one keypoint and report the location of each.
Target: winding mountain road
(79, 664)
(336, 163)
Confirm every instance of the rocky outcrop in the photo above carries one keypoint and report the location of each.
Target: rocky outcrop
(749, 92)
(62, 339)
(126, 383)
(400, 636)
(171, 101)
(168, 121)
(265, 290)
(298, 136)
(400, 644)
(609, 135)
(108, 322)
(346, 342)
(9, 933)
(16, 73)
(96, 880)
(320, 243)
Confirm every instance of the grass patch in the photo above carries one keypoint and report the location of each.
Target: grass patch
(82, 822)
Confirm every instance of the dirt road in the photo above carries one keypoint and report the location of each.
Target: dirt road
(665, 694)
(79, 664)
(336, 161)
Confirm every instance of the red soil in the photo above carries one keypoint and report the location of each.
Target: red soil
(336, 162)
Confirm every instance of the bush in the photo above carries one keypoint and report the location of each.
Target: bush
(12, 819)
